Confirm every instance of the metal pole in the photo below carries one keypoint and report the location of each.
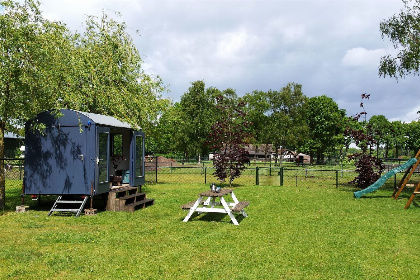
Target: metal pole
(205, 175)
(281, 175)
(336, 178)
(23, 193)
(156, 169)
(257, 179)
(395, 181)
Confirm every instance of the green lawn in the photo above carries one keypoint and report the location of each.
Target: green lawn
(310, 232)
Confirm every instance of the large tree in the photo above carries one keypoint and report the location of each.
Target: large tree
(381, 132)
(403, 30)
(108, 75)
(256, 108)
(30, 51)
(325, 122)
(286, 126)
(369, 168)
(413, 136)
(197, 107)
(228, 137)
(398, 133)
(45, 67)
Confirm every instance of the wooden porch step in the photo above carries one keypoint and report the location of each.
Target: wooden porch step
(139, 204)
(127, 198)
(240, 206)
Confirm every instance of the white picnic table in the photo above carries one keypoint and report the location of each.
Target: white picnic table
(207, 203)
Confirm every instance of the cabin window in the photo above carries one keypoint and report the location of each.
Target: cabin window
(103, 157)
(139, 156)
(117, 144)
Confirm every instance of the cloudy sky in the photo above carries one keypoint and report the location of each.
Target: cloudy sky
(330, 47)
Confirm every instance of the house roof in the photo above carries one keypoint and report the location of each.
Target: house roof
(105, 120)
(11, 135)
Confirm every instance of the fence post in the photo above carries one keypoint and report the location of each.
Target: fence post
(20, 170)
(257, 177)
(395, 181)
(156, 169)
(336, 178)
(205, 175)
(281, 173)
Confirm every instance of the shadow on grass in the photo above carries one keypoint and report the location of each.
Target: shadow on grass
(213, 217)
(45, 202)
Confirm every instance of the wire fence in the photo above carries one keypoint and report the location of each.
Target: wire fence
(13, 173)
(262, 174)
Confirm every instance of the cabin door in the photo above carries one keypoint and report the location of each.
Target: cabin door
(69, 148)
(102, 160)
(137, 159)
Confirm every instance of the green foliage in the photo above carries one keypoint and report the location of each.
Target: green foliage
(413, 136)
(108, 78)
(45, 67)
(403, 30)
(257, 108)
(30, 47)
(189, 122)
(398, 133)
(286, 127)
(325, 125)
(277, 117)
(381, 132)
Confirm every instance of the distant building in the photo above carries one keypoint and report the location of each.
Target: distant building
(303, 158)
(12, 143)
(268, 152)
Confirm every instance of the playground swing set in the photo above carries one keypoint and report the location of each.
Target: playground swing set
(409, 167)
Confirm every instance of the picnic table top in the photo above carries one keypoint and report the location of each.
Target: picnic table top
(221, 193)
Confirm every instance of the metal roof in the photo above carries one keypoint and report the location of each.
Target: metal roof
(11, 135)
(105, 120)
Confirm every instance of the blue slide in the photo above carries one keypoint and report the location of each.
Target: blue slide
(384, 178)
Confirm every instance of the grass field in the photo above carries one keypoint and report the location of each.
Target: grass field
(316, 231)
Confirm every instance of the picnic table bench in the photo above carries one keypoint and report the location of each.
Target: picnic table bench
(206, 203)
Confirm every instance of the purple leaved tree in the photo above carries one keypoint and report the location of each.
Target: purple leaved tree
(368, 167)
(227, 140)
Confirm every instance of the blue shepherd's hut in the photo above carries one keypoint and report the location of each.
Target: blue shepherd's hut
(76, 153)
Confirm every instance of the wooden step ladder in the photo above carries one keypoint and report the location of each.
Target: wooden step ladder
(406, 177)
(77, 205)
(415, 192)
(127, 198)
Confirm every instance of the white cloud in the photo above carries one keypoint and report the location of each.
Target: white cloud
(237, 47)
(330, 47)
(409, 116)
(357, 57)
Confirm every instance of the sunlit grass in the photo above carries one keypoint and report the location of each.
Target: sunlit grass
(311, 231)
